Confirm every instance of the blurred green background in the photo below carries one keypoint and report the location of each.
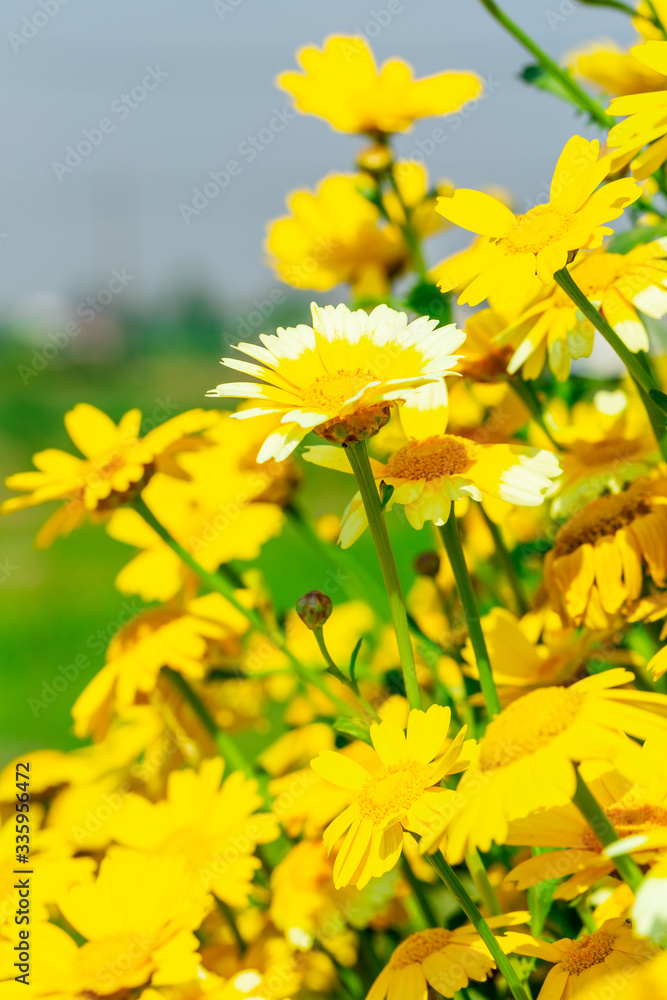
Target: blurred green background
(60, 603)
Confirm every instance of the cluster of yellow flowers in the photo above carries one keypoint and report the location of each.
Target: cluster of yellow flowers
(462, 791)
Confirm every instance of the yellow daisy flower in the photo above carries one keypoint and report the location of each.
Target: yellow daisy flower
(645, 124)
(342, 85)
(403, 794)
(336, 235)
(614, 70)
(439, 959)
(223, 510)
(160, 637)
(212, 825)
(340, 376)
(435, 469)
(619, 284)
(596, 566)
(634, 799)
(581, 964)
(648, 981)
(526, 754)
(516, 248)
(138, 919)
(117, 465)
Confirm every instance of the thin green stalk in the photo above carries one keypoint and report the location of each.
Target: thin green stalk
(594, 814)
(586, 917)
(577, 93)
(339, 675)
(458, 891)
(229, 751)
(411, 235)
(508, 564)
(358, 457)
(428, 913)
(479, 876)
(640, 373)
(228, 914)
(449, 532)
(219, 583)
(526, 393)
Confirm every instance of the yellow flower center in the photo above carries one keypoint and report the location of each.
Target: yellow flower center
(538, 228)
(628, 820)
(447, 455)
(329, 392)
(592, 949)
(393, 791)
(527, 725)
(419, 946)
(602, 517)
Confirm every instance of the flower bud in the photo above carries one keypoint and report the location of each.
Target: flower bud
(374, 159)
(314, 608)
(427, 564)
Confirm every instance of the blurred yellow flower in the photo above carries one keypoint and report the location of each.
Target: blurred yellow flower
(340, 376)
(516, 248)
(620, 285)
(526, 754)
(435, 468)
(403, 794)
(342, 85)
(596, 566)
(615, 71)
(645, 124)
(211, 825)
(117, 465)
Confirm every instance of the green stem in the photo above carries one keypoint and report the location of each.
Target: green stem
(508, 564)
(218, 583)
(449, 532)
(481, 879)
(228, 914)
(358, 457)
(577, 93)
(225, 744)
(526, 393)
(458, 891)
(417, 887)
(339, 675)
(640, 373)
(594, 814)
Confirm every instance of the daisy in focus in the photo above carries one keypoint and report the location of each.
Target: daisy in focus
(578, 964)
(596, 566)
(514, 249)
(526, 755)
(342, 85)
(403, 794)
(339, 377)
(117, 464)
(443, 960)
(552, 328)
(434, 469)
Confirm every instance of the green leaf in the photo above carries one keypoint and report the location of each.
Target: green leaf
(426, 299)
(386, 493)
(659, 398)
(624, 242)
(538, 77)
(353, 658)
(353, 728)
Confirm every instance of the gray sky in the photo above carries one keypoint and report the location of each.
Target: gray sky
(119, 207)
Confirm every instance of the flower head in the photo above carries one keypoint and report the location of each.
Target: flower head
(526, 754)
(434, 469)
(621, 284)
(340, 376)
(596, 566)
(342, 85)
(403, 793)
(514, 249)
(645, 124)
(117, 464)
